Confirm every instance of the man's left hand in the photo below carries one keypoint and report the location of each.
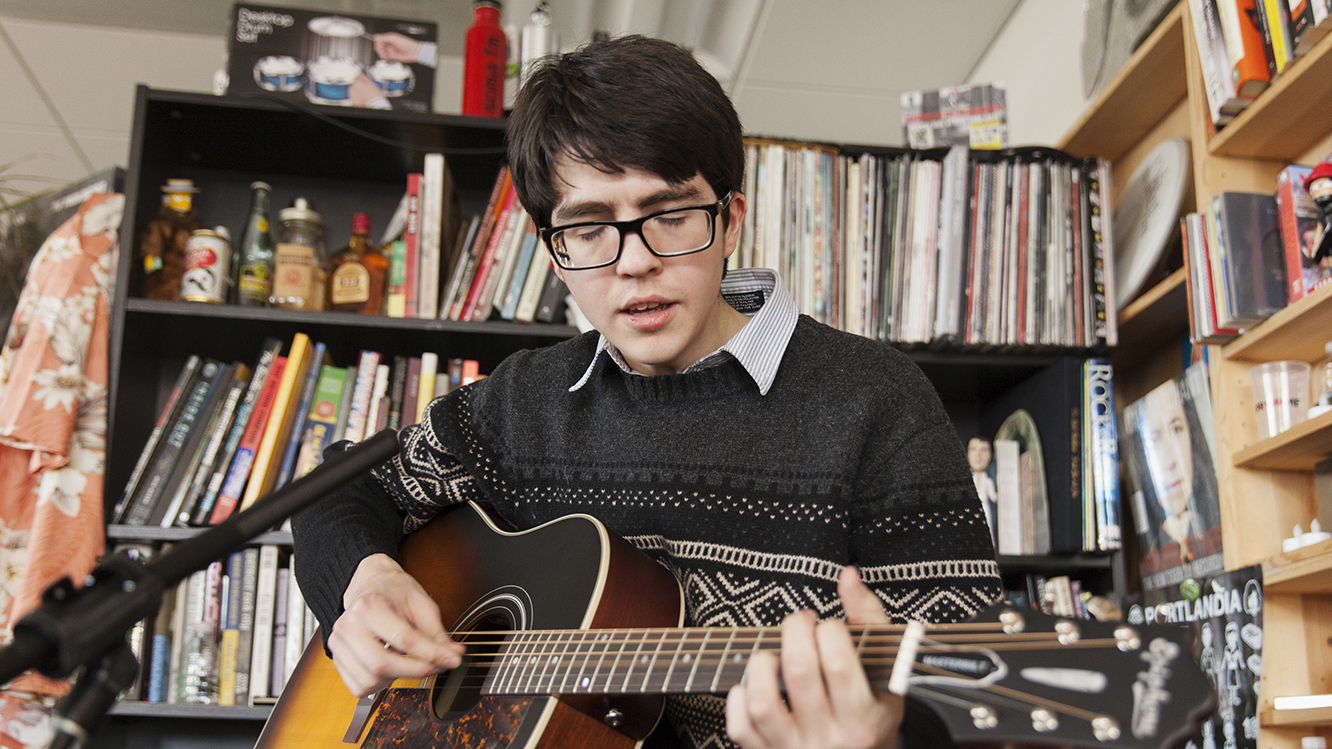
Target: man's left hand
(829, 703)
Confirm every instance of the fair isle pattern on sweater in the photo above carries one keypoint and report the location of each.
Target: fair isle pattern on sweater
(754, 502)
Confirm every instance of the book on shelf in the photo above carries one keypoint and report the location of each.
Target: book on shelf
(495, 245)
(238, 473)
(497, 285)
(1249, 250)
(467, 272)
(229, 635)
(166, 417)
(1314, 22)
(1244, 46)
(1167, 444)
(1102, 530)
(1201, 288)
(291, 448)
(508, 307)
(218, 431)
(436, 200)
(168, 505)
(1223, 100)
(159, 660)
(1278, 43)
(362, 391)
(322, 418)
(411, 236)
(397, 391)
(264, 472)
(377, 417)
(203, 509)
(426, 387)
(277, 664)
(344, 407)
(551, 306)
(411, 392)
(461, 257)
(245, 644)
(261, 652)
(153, 486)
(1300, 222)
(296, 613)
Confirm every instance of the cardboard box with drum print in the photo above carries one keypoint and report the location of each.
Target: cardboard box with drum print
(334, 59)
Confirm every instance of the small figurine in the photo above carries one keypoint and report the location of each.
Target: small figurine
(980, 456)
(1319, 186)
(162, 244)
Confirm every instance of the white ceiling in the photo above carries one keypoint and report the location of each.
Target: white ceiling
(831, 70)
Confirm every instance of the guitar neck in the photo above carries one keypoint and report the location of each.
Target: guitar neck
(646, 661)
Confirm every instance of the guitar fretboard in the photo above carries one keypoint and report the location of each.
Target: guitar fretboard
(634, 661)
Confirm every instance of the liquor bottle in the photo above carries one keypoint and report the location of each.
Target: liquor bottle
(253, 259)
(299, 259)
(484, 63)
(357, 272)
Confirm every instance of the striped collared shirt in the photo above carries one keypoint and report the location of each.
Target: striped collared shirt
(758, 346)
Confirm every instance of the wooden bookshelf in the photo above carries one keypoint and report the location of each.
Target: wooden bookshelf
(1149, 85)
(1288, 118)
(1299, 448)
(1318, 716)
(1297, 332)
(1306, 570)
(1152, 320)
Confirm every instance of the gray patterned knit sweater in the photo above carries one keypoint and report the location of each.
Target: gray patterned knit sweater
(754, 502)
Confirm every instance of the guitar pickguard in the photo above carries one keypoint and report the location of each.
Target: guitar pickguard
(405, 720)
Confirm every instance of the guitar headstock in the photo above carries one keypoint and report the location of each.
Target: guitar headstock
(1016, 676)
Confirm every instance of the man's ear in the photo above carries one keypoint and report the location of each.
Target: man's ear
(735, 211)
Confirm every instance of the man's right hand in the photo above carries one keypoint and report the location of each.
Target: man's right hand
(389, 629)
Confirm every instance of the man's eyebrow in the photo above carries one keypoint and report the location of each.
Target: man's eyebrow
(578, 210)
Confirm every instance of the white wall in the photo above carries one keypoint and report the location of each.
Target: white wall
(1039, 56)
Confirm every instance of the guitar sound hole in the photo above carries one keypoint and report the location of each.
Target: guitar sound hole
(458, 691)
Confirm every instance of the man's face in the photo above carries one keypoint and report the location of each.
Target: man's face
(663, 314)
(978, 454)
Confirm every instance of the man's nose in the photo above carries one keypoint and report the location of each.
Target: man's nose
(635, 257)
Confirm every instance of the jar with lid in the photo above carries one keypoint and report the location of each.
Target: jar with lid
(299, 259)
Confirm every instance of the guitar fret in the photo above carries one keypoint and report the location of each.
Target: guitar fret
(602, 641)
(521, 645)
(637, 654)
(666, 682)
(689, 685)
(533, 661)
(494, 678)
(652, 667)
(721, 664)
(555, 662)
(616, 663)
(582, 660)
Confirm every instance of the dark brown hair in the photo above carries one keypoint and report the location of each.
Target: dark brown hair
(627, 102)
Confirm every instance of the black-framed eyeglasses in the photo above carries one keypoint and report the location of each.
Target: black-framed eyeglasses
(669, 233)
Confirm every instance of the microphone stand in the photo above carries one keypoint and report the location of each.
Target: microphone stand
(85, 629)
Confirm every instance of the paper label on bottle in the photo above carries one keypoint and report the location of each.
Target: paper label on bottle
(293, 275)
(351, 284)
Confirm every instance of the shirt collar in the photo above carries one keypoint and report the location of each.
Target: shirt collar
(758, 346)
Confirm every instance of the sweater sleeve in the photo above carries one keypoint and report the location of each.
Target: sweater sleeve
(371, 514)
(918, 532)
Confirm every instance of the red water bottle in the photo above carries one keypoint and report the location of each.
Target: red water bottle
(483, 68)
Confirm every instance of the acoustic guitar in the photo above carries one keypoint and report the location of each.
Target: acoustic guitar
(573, 640)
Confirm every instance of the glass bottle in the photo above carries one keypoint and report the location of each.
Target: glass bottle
(299, 259)
(357, 272)
(484, 62)
(253, 259)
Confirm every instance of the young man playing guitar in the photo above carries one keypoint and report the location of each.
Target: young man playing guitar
(785, 472)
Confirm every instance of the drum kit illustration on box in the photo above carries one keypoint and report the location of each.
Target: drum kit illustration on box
(339, 50)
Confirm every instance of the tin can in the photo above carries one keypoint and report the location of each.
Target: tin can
(207, 265)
